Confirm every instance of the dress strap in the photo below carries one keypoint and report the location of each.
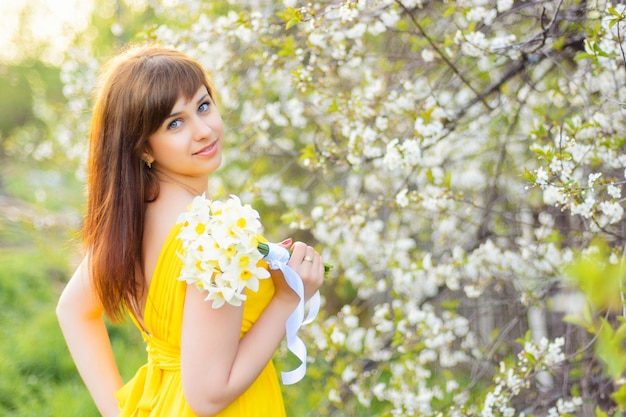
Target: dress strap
(142, 329)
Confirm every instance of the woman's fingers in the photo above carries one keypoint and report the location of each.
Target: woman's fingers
(310, 256)
(308, 265)
(286, 243)
(302, 256)
(298, 251)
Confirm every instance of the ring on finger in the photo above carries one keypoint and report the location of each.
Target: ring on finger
(308, 259)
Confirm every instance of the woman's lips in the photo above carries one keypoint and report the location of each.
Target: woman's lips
(207, 150)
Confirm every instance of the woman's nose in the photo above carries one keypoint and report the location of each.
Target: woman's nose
(202, 128)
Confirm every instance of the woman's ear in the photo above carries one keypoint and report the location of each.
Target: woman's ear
(148, 159)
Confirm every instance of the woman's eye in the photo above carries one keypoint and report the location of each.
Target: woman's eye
(175, 124)
(203, 107)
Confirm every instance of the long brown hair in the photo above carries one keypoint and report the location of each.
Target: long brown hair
(135, 95)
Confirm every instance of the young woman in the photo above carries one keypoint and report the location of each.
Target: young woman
(156, 136)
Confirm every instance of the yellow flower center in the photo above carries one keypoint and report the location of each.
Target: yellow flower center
(231, 251)
(199, 266)
(244, 261)
(245, 275)
(241, 222)
(200, 228)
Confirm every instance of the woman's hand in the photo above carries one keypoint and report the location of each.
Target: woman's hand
(309, 266)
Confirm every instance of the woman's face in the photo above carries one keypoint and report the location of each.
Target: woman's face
(188, 145)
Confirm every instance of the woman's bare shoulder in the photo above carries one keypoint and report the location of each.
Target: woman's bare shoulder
(161, 216)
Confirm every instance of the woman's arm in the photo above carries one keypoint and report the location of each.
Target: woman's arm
(217, 366)
(80, 316)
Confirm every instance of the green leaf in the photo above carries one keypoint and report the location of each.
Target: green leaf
(621, 330)
(554, 237)
(528, 176)
(450, 305)
(619, 397)
(597, 278)
(334, 107)
(600, 413)
(583, 55)
(291, 23)
(610, 350)
(580, 321)
(308, 152)
(531, 358)
(449, 12)
(430, 176)
(292, 17)
(526, 338)
(588, 315)
(557, 45)
(287, 48)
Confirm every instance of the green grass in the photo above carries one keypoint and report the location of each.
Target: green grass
(38, 377)
(33, 357)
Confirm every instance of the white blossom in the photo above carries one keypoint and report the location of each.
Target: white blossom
(348, 374)
(402, 199)
(473, 44)
(593, 177)
(541, 176)
(612, 210)
(614, 191)
(504, 5)
(428, 55)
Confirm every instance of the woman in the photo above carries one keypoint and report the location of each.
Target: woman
(156, 136)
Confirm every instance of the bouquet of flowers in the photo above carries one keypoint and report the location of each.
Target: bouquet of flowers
(220, 249)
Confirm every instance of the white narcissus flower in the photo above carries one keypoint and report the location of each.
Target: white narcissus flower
(220, 249)
(234, 219)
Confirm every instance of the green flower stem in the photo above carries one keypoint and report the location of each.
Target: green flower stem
(265, 249)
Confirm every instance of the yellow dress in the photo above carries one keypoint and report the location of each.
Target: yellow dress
(156, 389)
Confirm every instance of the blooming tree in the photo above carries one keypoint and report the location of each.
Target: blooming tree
(454, 160)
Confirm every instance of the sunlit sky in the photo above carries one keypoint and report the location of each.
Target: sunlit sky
(44, 22)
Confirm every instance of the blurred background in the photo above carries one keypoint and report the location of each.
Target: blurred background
(41, 198)
(461, 163)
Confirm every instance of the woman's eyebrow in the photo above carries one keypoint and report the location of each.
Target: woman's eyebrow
(204, 96)
(173, 115)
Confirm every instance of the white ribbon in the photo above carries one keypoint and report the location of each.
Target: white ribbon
(277, 258)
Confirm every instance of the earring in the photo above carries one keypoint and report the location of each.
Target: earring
(149, 164)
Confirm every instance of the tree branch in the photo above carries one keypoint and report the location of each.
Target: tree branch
(442, 55)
